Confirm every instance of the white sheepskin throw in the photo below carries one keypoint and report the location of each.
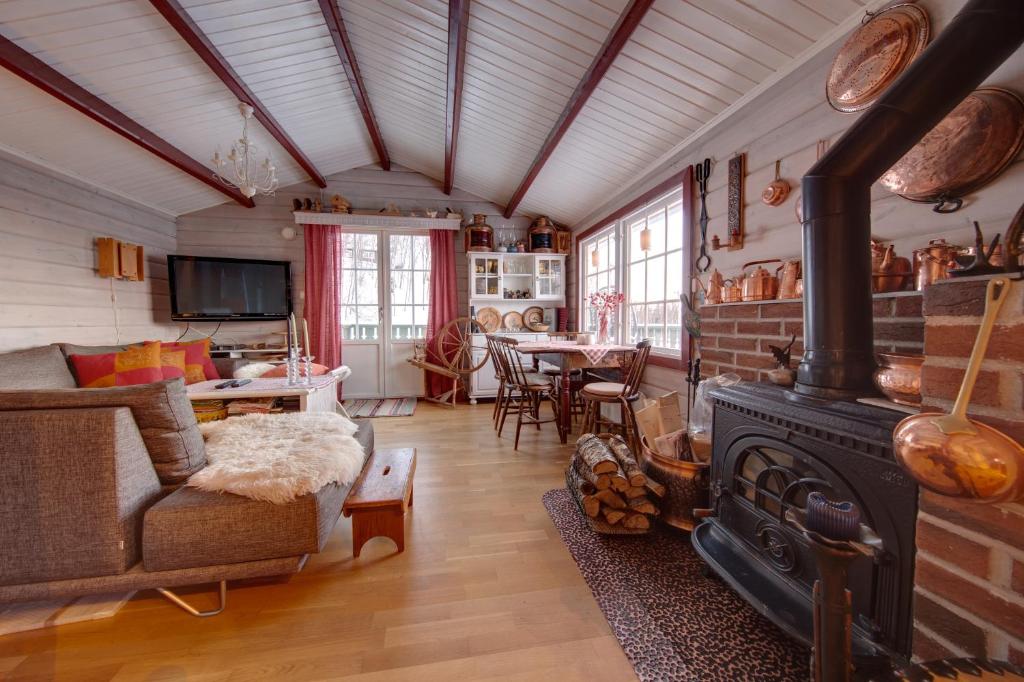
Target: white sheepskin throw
(278, 457)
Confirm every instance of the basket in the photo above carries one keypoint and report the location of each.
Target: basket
(686, 486)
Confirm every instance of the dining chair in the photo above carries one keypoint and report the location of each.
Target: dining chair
(624, 394)
(499, 375)
(527, 391)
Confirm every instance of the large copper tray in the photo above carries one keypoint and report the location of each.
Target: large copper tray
(967, 150)
(875, 55)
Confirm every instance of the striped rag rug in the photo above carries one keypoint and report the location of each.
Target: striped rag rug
(388, 407)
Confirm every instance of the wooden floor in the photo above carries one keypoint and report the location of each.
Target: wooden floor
(484, 591)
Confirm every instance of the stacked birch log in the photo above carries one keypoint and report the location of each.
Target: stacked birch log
(609, 486)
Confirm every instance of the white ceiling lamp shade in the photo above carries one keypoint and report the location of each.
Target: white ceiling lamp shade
(241, 169)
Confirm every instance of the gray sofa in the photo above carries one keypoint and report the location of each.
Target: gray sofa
(91, 494)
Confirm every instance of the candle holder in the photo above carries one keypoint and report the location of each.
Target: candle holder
(307, 361)
(293, 368)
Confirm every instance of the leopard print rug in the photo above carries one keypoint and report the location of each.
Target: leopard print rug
(674, 624)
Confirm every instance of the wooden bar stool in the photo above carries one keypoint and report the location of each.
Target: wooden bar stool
(624, 394)
(526, 391)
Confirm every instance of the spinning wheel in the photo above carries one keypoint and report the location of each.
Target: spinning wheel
(455, 346)
(454, 349)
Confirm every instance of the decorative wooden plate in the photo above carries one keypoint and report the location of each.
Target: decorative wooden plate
(967, 150)
(512, 320)
(489, 319)
(875, 55)
(533, 318)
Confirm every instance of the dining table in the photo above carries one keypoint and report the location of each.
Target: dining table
(569, 355)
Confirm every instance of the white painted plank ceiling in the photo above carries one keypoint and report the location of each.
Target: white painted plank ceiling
(687, 62)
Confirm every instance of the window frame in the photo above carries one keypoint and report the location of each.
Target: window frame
(680, 183)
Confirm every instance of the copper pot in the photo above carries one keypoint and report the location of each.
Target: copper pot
(777, 190)
(789, 279)
(932, 263)
(898, 377)
(893, 273)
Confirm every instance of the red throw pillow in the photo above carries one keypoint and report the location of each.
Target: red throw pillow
(134, 365)
(282, 370)
(198, 365)
(172, 362)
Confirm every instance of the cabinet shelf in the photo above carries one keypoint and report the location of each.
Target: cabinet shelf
(545, 278)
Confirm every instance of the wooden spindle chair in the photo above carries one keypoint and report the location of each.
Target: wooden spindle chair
(527, 391)
(624, 394)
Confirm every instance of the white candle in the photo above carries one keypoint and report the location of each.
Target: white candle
(293, 340)
(305, 335)
(288, 337)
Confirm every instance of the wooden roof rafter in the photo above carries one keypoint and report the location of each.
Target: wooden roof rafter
(181, 22)
(25, 65)
(458, 30)
(628, 21)
(336, 26)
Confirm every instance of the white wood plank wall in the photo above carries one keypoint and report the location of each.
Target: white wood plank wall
(232, 231)
(49, 289)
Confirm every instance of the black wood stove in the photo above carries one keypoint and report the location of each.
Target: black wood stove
(773, 446)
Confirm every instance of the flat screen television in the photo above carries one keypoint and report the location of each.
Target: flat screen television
(218, 289)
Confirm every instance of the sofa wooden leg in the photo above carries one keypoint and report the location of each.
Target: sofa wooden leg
(185, 606)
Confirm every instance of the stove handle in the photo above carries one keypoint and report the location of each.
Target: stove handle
(717, 490)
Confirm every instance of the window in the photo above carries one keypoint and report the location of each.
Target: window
(360, 307)
(410, 286)
(599, 259)
(652, 280)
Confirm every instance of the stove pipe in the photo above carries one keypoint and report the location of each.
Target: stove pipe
(839, 358)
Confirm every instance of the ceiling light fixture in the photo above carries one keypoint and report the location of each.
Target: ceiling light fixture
(595, 257)
(247, 174)
(645, 234)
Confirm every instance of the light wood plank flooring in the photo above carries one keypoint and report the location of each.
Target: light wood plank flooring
(484, 591)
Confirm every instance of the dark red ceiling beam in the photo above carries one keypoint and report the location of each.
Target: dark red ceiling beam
(620, 33)
(179, 19)
(23, 64)
(458, 29)
(355, 79)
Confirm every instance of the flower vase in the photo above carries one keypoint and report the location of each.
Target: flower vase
(602, 328)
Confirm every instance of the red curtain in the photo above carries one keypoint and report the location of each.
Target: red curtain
(322, 309)
(443, 301)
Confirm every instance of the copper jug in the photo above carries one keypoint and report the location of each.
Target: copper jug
(714, 290)
(892, 274)
(932, 263)
(760, 285)
(790, 276)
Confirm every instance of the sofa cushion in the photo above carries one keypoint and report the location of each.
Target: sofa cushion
(132, 366)
(192, 527)
(42, 367)
(161, 410)
(198, 363)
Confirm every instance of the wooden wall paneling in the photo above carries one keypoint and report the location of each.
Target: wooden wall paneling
(458, 30)
(49, 287)
(180, 20)
(38, 73)
(623, 29)
(335, 24)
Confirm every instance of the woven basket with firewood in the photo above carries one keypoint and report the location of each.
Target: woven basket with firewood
(613, 494)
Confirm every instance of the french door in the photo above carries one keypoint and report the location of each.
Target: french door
(385, 279)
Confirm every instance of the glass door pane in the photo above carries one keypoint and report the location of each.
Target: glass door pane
(360, 278)
(409, 283)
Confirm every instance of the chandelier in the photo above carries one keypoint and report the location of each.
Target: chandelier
(241, 169)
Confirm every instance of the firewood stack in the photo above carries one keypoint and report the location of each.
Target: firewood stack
(610, 487)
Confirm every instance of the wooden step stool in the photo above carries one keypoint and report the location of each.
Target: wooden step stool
(380, 496)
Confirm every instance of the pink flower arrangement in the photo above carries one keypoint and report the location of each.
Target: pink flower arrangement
(604, 303)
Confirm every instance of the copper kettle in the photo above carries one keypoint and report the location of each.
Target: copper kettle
(789, 279)
(891, 273)
(760, 285)
(932, 263)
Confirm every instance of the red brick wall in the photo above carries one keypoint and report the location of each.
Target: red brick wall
(735, 336)
(970, 560)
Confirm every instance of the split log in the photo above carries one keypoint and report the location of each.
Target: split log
(583, 472)
(634, 493)
(619, 483)
(597, 455)
(636, 520)
(587, 488)
(643, 505)
(627, 461)
(591, 506)
(612, 516)
(657, 489)
(611, 499)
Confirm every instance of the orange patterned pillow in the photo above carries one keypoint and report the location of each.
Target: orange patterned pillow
(198, 365)
(134, 365)
(172, 362)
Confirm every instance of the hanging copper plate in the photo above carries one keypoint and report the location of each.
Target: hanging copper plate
(875, 55)
(967, 150)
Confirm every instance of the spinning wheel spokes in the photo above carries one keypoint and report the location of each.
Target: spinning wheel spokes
(455, 347)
